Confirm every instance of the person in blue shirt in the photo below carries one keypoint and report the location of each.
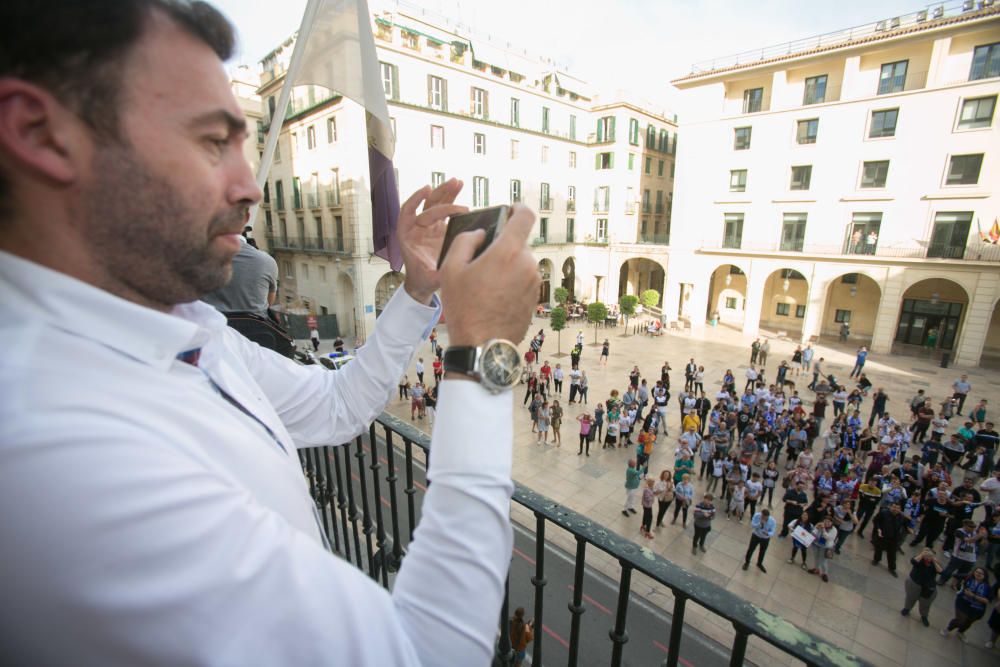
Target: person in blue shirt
(859, 362)
(974, 595)
(764, 526)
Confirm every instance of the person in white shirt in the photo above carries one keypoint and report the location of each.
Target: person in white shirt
(151, 497)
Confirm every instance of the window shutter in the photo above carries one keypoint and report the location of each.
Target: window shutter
(597, 157)
(444, 94)
(430, 90)
(486, 105)
(472, 101)
(611, 161)
(612, 137)
(395, 82)
(600, 130)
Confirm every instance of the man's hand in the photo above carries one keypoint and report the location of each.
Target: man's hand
(420, 236)
(494, 295)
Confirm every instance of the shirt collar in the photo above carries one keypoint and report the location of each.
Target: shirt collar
(80, 309)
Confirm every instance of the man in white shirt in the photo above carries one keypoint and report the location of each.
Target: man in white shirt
(150, 493)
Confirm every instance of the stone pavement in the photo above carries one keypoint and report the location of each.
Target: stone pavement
(858, 609)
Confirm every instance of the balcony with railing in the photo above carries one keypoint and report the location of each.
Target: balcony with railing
(654, 239)
(312, 200)
(333, 198)
(974, 251)
(368, 494)
(570, 204)
(311, 244)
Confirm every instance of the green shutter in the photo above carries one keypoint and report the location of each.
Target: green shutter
(600, 130)
(395, 82)
(612, 137)
(444, 94)
(430, 90)
(597, 158)
(611, 162)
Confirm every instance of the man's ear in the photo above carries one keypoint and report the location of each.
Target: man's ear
(39, 137)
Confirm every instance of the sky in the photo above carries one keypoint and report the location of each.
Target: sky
(632, 45)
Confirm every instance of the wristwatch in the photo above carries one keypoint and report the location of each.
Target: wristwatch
(496, 365)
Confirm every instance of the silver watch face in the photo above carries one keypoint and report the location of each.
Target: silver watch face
(500, 365)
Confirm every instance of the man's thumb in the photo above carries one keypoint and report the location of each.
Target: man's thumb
(463, 248)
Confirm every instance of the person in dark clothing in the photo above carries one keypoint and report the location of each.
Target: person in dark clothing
(795, 500)
(921, 585)
(889, 529)
(937, 509)
(879, 399)
(869, 495)
(964, 501)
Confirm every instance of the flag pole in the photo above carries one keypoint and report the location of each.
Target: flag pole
(278, 117)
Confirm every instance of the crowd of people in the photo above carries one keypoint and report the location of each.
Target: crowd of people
(840, 463)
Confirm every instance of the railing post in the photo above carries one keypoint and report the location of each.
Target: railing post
(342, 502)
(676, 629)
(391, 478)
(576, 607)
(410, 490)
(366, 518)
(539, 581)
(330, 497)
(504, 655)
(618, 634)
(377, 489)
(352, 508)
(739, 646)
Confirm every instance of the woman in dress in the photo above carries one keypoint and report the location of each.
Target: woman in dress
(555, 417)
(542, 418)
(664, 490)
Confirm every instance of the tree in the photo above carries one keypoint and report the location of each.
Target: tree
(649, 298)
(557, 322)
(561, 295)
(597, 312)
(627, 303)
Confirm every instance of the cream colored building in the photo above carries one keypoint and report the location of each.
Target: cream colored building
(846, 177)
(598, 170)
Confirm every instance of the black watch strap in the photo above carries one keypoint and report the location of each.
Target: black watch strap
(460, 359)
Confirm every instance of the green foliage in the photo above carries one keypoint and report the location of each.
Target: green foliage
(557, 322)
(650, 298)
(561, 295)
(596, 313)
(628, 302)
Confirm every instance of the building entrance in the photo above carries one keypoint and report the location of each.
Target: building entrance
(929, 324)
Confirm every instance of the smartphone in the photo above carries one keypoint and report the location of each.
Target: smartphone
(491, 219)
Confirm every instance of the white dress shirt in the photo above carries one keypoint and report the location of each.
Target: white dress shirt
(146, 521)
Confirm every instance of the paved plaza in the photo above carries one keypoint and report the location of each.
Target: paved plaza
(858, 609)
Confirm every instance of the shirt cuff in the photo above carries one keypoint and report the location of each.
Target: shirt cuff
(403, 313)
(473, 429)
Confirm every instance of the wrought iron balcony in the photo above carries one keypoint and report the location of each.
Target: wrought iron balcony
(656, 239)
(368, 491)
(309, 244)
(974, 251)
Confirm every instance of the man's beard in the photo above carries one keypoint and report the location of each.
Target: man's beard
(151, 240)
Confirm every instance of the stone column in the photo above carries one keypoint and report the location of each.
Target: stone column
(888, 312)
(815, 305)
(976, 322)
(755, 299)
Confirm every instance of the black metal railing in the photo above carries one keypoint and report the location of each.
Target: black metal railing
(354, 499)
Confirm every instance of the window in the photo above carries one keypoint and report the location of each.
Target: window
(742, 139)
(733, 232)
(411, 40)
(322, 273)
(737, 180)
(479, 143)
(544, 201)
(650, 137)
(571, 198)
(333, 194)
(543, 229)
(570, 231)
(437, 93)
(572, 159)
(604, 161)
(649, 165)
(659, 201)
(437, 178)
(646, 204)
(664, 142)
(261, 134)
(806, 131)
(544, 155)
(279, 195)
(390, 80)
(977, 112)
(515, 112)
(480, 103)
(296, 192)
(985, 62)
(753, 100)
(800, 311)
(801, 177)
(480, 191)
(515, 149)
(602, 230)
(633, 131)
(659, 168)
(289, 272)
(730, 303)
(793, 232)
(515, 191)
(950, 235)
(305, 271)
(783, 309)
(311, 137)
(849, 278)
(605, 129)
(631, 161)
(545, 119)
(602, 199)
(842, 316)
(437, 136)
(815, 92)
(338, 224)
(874, 174)
(964, 169)
(883, 123)
(862, 234)
(331, 130)
(572, 127)
(892, 79)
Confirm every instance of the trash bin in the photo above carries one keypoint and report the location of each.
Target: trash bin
(945, 359)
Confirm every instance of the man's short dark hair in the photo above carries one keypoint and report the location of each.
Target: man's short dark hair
(76, 50)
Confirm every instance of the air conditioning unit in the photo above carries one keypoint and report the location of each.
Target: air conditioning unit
(880, 26)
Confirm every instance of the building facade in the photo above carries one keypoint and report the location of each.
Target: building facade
(848, 179)
(598, 172)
